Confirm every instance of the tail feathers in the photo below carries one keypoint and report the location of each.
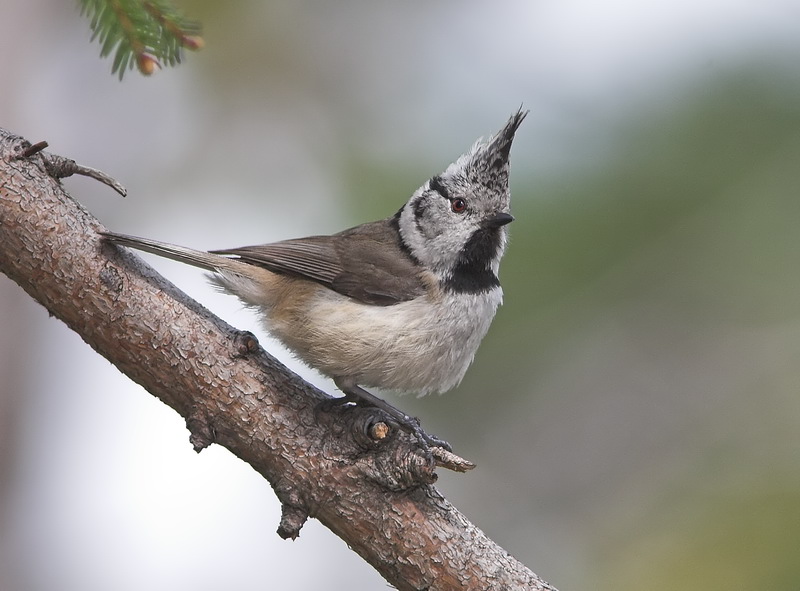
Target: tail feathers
(197, 258)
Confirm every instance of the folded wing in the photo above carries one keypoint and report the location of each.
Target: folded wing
(366, 263)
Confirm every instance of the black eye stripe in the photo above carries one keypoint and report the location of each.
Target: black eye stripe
(420, 206)
(436, 185)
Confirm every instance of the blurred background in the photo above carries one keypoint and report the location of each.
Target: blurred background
(634, 410)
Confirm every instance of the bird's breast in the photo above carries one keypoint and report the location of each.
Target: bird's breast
(421, 345)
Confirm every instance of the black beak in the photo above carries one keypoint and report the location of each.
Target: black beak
(499, 219)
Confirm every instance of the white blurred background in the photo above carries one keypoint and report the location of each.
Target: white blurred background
(634, 411)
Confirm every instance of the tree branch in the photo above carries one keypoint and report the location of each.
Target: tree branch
(337, 464)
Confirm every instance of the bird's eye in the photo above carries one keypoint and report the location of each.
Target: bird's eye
(458, 205)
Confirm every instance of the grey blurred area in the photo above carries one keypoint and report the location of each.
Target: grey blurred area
(635, 409)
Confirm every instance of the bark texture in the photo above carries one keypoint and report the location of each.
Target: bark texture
(337, 464)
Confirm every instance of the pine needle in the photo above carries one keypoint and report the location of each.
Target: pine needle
(147, 34)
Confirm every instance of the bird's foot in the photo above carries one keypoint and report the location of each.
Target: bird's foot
(361, 397)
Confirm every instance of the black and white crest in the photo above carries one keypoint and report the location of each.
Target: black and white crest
(489, 162)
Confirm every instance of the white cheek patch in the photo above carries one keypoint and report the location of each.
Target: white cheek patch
(434, 243)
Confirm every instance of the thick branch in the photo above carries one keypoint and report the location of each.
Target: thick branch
(325, 461)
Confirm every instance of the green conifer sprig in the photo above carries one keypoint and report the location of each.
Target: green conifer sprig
(141, 33)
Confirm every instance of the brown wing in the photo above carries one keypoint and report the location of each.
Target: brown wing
(366, 263)
(313, 258)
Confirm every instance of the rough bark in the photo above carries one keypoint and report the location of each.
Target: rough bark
(325, 461)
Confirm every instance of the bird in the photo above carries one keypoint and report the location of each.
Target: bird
(398, 304)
